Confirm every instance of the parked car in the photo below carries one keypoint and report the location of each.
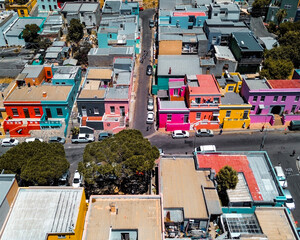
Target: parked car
(289, 199)
(294, 125)
(149, 70)
(180, 134)
(150, 105)
(33, 139)
(64, 179)
(57, 140)
(151, 23)
(104, 135)
(205, 148)
(9, 142)
(204, 133)
(150, 117)
(281, 176)
(77, 180)
(83, 138)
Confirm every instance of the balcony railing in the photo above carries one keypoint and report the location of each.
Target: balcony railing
(49, 123)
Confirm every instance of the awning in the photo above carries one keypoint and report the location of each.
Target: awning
(216, 114)
(261, 106)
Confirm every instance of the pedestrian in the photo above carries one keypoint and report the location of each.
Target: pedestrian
(147, 128)
(262, 128)
(221, 131)
(293, 153)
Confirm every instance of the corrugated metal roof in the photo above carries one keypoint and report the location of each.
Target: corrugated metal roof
(241, 192)
(281, 84)
(38, 211)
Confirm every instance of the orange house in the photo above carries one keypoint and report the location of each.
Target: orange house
(203, 98)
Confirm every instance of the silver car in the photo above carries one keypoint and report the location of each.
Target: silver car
(9, 142)
(150, 105)
(150, 117)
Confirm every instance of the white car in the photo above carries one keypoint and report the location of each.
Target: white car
(289, 199)
(77, 180)
(33, 139)
(150, 105)
(180, 134)
(281, 176)
(150, 117)
(9, 142)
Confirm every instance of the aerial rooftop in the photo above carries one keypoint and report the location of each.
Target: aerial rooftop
(247, 42)
(38, 211)
(275, 84)
(206, 85)
(257, 84)
(120, 93)
(109, 216)
(164, 105)
(232, 98)
(99, 73)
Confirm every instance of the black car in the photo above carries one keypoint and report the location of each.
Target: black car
(149, 70)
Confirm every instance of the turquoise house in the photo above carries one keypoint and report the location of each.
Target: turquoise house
(119, 31)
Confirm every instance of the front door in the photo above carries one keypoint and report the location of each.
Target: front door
(83, 110)
(26, 113)
(122, 111)
(48, 113)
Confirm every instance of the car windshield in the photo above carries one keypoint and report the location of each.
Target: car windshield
(76, 180)
(289, 200)
(12, 140)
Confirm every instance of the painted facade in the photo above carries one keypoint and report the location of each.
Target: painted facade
(176, 89)
(45, 7)
(203, 98)
(22, 10)
(231, 82)
(290, 6)
(40, 102)
(272, 98)
(224, 11)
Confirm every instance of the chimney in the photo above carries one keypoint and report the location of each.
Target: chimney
(170, 70)
(44, 94)
(212, 174)
(113, 208)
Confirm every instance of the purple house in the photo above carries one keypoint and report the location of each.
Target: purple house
(272, 100)
(173, 115)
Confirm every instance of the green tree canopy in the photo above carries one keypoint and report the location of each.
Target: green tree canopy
(75, 31)
(276, 69)
(280, 15)
(30, 33)
(35, 163)
(125, 155)
(227, 178)
(82, 53)
(259, 7)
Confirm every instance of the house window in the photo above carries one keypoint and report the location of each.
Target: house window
(61, 236)
(215, 14)
(96, 110)
(186, 118)
(63, 83)
(275, 99)
(55, 7)
(15, 112)
(283, 98)
(262, 98)
(59, 111)
(294, 108)
(22, 12)
(169, 117)
(297, 98)
(216, 100)
(49, 73)
(112, 109)
(176, 91)
(228, 113)
(82, 14)
(230, 88)
(197, 100)
(254, 98)
(287, 6)
(245, 115)
(37, 112)
(43, 6)
(253, 108)
(198, 115)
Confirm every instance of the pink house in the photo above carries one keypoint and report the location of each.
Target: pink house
(176, 89)
(173, 115)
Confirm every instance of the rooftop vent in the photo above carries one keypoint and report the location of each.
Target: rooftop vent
(113, 208)
(170, 70)
(44, 94)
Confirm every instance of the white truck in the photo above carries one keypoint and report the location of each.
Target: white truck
(83, 138)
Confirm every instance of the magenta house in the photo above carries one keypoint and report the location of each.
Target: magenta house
(176, 89)
(173, 115)
(272, 100)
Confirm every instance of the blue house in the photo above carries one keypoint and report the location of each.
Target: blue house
(119, 31)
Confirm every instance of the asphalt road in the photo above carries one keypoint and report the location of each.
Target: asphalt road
(143, 81)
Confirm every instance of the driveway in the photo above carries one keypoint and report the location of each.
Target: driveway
(143, 81)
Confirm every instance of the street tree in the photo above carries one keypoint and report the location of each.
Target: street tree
(82, 53)
(259, 7)
(227, 178)
(30, 33)
(280, 15)
(124, 161)
(35, 163)
(276, 68)
(75, 31)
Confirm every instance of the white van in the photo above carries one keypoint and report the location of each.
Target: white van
(77, 181)
(206, 148)
(281, 176)
(289, 199)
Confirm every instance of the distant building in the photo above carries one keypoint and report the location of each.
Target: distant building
(52, 27)
(7, 18)
(41, 213)
(247, 51)
(117, 7)
(45, 7)
(225, 11)
(124, 217)
(290, 6)
(23, 10)
(9, 188)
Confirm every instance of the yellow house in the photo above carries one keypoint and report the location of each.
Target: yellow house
(234, 111)
(23, 10)
(46, 213)
(230, 83)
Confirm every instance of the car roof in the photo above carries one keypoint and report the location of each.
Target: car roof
(178, 131)
(76, 175)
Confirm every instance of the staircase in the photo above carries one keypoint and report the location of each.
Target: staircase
(122, 121)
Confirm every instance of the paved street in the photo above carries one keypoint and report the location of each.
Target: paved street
(140, 111)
